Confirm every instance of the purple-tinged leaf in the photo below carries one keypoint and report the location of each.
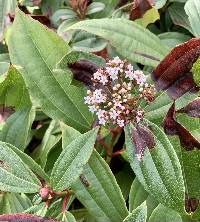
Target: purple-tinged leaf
(24, 218)
(192, 109)
(5, 112)
(172, 127)
(173, 73)
(142, 139)
(139, 8)
(191, 204)
(83, 71)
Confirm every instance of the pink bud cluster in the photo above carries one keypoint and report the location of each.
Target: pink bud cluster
(118, 93)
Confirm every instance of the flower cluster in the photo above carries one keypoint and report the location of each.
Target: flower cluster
(118, 93)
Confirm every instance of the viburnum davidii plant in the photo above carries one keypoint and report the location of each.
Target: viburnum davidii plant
(99, 111)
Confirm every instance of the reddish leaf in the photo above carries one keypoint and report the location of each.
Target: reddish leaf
(173, 73)
(5, 112)
(142, 139)
(139, 8)
(24, 218)
(42, 19)
(172, 127)
(83, 71)
(192, 109)
(191, 204)
(103, 53)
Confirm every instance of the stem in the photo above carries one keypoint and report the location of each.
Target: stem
(65, 201)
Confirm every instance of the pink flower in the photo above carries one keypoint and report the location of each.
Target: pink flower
(139, 77)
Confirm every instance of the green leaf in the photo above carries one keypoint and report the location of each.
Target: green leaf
(192, 9)
(49, 89)
(172, 39)
(160, 3)
(179, 17)
(30, 162)
(6, 7)
(130, 40)
(17, 127)
(71, 161)
(110, 6)
(156, 111)
(62, 14)
(66, 217)
(196, 72)
(75, 56)
(99, 192)
(162, 213)
(13, 203)
(95, 7)
(50, 6)
(15, 176)
(13, 91)
(68, 134)
(50, 139)
(83, 41)
(150, 16)
(138, 215)
(137, 195)
(159, 171)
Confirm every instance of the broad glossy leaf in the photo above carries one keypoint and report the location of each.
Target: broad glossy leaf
(162, 213)
(129, 39)
(137, 215)
(48, 88)
(15, 176)
(192, 9)
(159, 169)
(30, 162)
(17, 127)
(98, 191)
(71, 161)
(13, 203)
(178, 15)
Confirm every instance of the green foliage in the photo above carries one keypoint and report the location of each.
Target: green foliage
(49, 89)
(56, 160)
(160, 170)
(70, 163)
(196, 72)
(130, 42)
(15, 174)
(137, 215)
